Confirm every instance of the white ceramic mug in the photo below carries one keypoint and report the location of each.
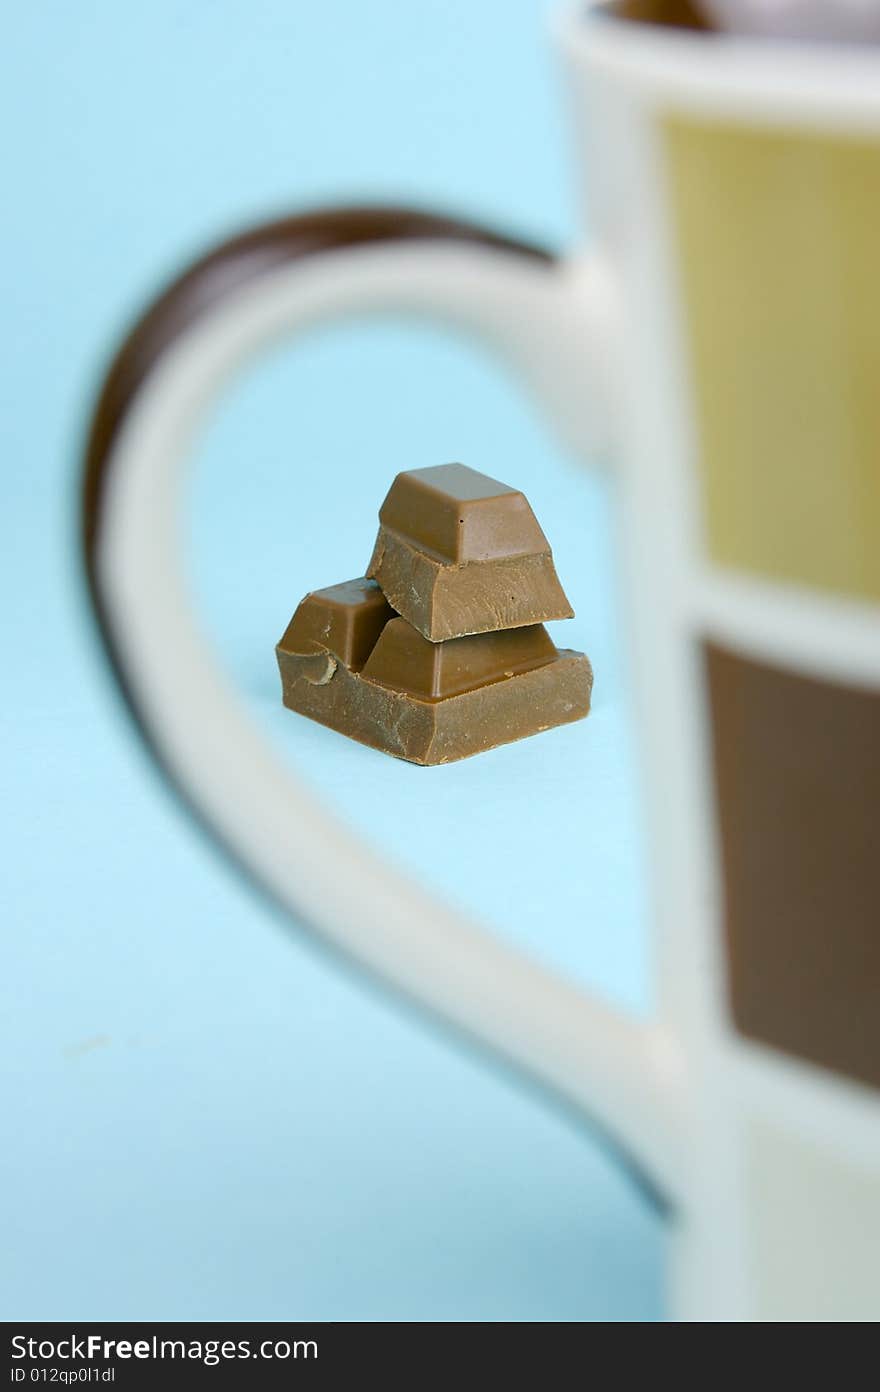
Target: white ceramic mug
(718, 342)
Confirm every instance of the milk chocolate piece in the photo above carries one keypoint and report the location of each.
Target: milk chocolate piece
(405, 661)
(345, 620)
(427, 703)
(459, 553)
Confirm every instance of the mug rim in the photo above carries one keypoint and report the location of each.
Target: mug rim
(777, 81)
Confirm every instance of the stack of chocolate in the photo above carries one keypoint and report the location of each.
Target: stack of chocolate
(440, 651)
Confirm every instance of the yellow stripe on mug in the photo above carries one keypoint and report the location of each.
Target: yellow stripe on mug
(778, 238)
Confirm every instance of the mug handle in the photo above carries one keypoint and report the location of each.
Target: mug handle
(554, 322)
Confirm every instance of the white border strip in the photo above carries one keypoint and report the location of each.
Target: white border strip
(816, 633)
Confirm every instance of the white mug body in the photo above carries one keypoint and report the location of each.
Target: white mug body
(700, 155)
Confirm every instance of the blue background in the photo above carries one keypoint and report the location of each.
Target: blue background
(205, 1119)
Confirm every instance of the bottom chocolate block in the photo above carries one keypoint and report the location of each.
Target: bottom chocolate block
(349, 663)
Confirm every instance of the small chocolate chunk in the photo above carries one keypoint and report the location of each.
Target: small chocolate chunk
(459, 553)
(404, 660)
(345, 619)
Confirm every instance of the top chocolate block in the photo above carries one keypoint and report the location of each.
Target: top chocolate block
(459, 553)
